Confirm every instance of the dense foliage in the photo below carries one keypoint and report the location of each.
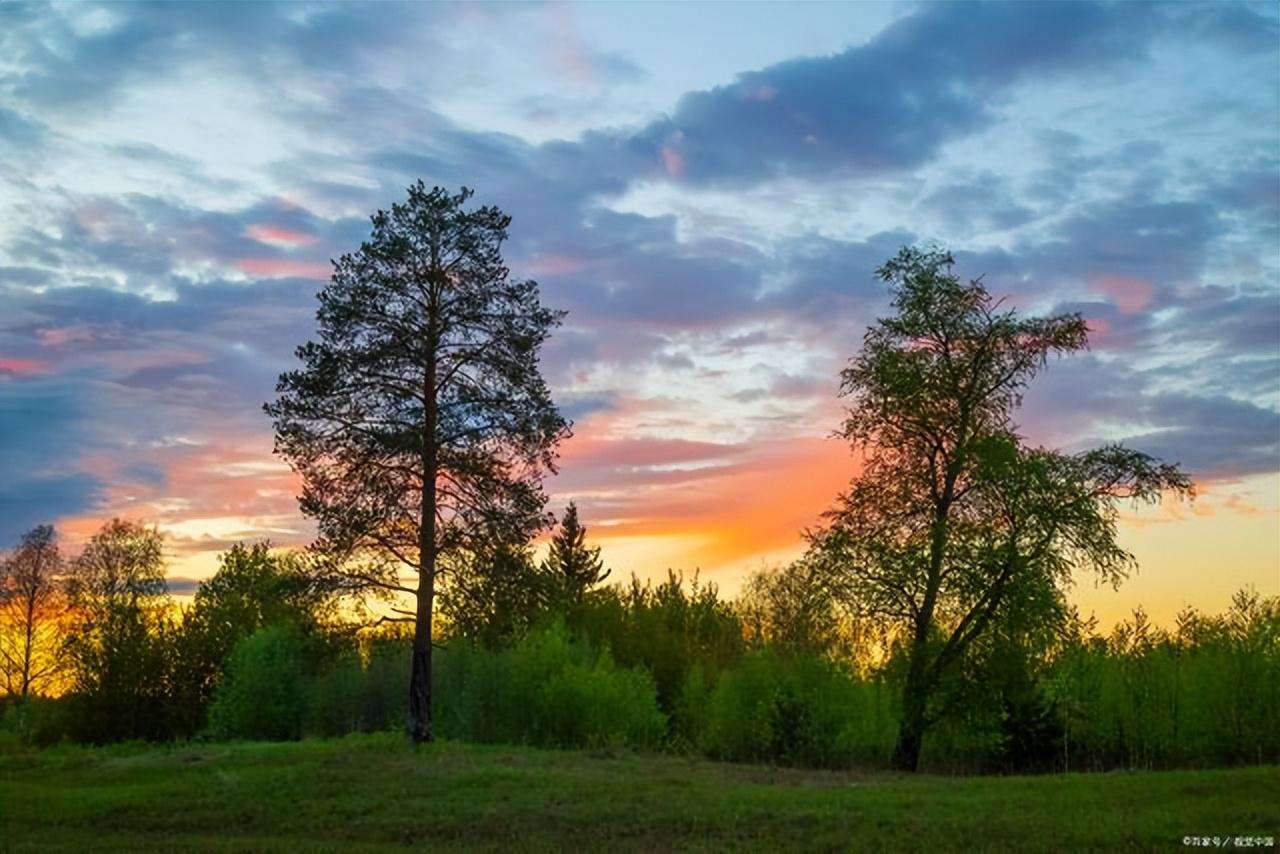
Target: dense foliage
(770, 677)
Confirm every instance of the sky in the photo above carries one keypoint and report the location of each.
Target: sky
(706, 188)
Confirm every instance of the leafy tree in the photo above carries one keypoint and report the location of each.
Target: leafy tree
(792, 608)
(31, 613)
(673, 629)
(122, 565)
(573, 566)
(252, 589)
(120, 650)
(495, 594)
(264, 694)
(954, 523)
(419, 422)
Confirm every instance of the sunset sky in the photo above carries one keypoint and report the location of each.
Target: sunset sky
(706, 188)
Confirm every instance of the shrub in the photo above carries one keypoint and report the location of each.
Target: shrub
(1207, 693)
(385, 703)
(668, 629)
(549, 689)
(335, 699)
(263, 694)
(39, 722)
(800, 710)
(1031, 733)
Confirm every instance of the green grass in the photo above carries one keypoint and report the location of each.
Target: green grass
(375, 792)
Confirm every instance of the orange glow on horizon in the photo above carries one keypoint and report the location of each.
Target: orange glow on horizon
(725, 509)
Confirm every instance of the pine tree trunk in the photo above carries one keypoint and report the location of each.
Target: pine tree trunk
(420, 675)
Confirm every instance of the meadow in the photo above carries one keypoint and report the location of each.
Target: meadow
(376, 792)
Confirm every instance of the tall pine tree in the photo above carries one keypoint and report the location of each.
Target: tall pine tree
(419, 422)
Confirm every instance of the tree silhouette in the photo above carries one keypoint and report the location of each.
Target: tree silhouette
(573, 566)
(953, 522)
(419, 422)
(31, 613)
(121, 565)
(791, 608)
(118, 649)
(254, 587)
(494, 594)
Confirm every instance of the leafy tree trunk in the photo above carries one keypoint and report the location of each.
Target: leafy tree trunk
(28, 647)
(906, 750)
(915, 693)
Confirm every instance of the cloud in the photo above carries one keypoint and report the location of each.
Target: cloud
(47, 424)
(76, 56)
(19, 132)
(977, 205)
(891, 104)
(151, 291)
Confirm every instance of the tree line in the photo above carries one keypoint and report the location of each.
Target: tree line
(421, 428)
(786, 672)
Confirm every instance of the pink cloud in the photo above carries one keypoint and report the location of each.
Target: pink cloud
(1100, 332)
(280, 268)
(228, 477)
(18, 367)
(672, 161)
(1129, 293)
(553, 264)
(56, 337)
(279, 235)
(568, 54)
(595, 455)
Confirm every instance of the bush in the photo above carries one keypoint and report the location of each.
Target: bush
(355, 695)
(1031, 732)
(1205, 694)
(668, 629)
(385, 704)
(548, 690)
(801, 710)
(263, 694)
(335, 699)
(40, 722)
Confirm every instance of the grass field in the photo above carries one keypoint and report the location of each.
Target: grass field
(374, 792)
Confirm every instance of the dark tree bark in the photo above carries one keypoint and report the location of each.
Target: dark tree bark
(420, 724)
